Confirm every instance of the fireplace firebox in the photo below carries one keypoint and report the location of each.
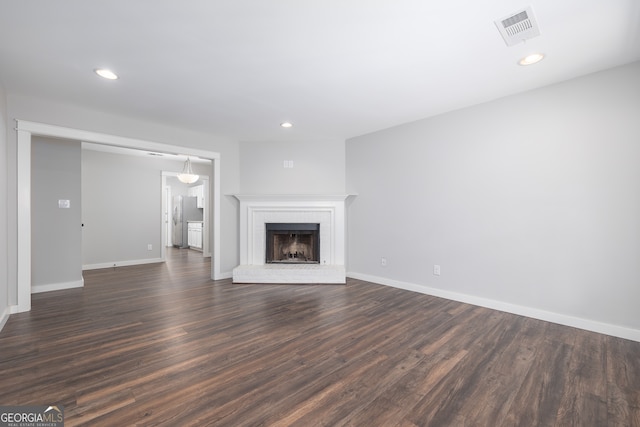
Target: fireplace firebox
(292, 243)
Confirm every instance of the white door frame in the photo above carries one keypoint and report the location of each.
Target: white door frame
(166, 217)
(26, 129)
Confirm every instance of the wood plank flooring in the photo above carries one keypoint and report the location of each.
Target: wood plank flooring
(162, 344)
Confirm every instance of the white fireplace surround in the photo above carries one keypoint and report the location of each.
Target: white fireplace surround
(258, 210)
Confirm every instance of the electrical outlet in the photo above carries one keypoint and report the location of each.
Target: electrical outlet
(383, 262)
(149, 247)
(436, 270)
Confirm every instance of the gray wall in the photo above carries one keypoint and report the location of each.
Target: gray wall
(56, 234)
(122, 206)
(532, 200)
(4, 286)
(319, 167)
(44, 111)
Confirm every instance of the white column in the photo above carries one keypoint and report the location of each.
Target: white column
(24, 220)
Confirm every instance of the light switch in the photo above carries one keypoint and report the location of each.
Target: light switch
(64, 204)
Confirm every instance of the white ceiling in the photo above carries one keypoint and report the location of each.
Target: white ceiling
(336, 69)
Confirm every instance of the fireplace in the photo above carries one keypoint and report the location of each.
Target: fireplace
(320, 259)
(292, 243)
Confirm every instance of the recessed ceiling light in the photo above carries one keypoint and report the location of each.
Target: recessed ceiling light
(286, 125)
(107, 74)
(531, 59)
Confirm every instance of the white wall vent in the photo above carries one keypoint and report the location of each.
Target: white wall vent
(518, 27)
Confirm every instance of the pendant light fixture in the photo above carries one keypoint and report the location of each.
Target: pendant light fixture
(187, 176)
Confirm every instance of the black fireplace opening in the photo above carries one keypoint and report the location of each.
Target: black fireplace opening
(293, 243)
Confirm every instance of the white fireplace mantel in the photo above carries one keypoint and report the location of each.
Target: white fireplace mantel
(258, 210)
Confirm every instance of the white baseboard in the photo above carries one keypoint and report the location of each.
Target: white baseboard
(4, 316)
(36, 289)
(225, 275)
(121, 263)
(562, 319)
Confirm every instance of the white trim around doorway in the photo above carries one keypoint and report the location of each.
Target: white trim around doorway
(25, 129)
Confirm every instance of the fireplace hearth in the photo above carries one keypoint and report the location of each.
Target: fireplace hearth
(292, 243)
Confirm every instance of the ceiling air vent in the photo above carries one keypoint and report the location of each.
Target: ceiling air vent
(518, 27)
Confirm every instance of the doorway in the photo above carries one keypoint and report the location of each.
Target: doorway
(26, 129)
(168, 193)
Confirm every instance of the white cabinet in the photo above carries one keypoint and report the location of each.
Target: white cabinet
(194, 235)
(197, 192)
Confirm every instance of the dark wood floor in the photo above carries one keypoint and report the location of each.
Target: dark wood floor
(162, 344)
